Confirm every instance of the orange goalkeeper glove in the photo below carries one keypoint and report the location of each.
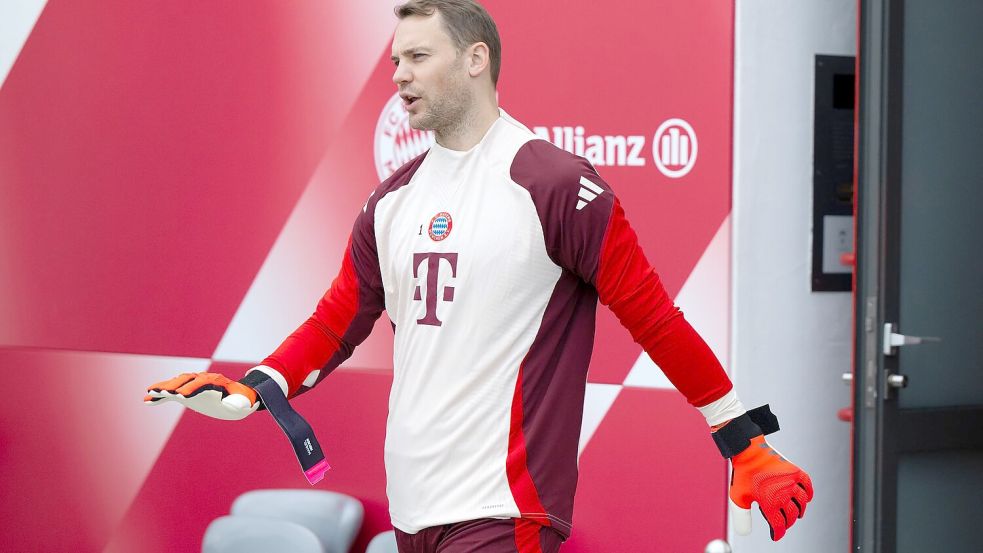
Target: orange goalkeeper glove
(217, 396)
(208, 393)
(761, 474)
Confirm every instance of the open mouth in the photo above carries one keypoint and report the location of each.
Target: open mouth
(410, 101)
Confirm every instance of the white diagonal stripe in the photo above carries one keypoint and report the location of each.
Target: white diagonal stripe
(271, 309)
(16, 21)
(646, 374)
(597, 189)
(581, 204)
(704, 300)
(598, 399)
(587, 194)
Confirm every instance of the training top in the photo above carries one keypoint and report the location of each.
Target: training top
(490, 263)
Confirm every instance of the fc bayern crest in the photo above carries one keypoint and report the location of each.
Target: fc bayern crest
(440, 226)
(395, 141)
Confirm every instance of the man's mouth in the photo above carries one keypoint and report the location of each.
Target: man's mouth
(409, 100)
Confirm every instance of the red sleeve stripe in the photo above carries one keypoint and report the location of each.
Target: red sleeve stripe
(630, 287)
(527, 536)
(520, 481)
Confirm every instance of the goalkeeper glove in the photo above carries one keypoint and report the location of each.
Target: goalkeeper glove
(761, 474)
(208, 393)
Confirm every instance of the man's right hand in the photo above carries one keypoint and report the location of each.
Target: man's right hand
(208, 393)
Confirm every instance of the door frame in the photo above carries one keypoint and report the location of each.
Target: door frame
(883, 431)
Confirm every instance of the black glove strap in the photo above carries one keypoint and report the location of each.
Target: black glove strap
(735, 436)
(298, 431)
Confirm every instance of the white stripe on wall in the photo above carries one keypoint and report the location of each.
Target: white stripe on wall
(17, 19)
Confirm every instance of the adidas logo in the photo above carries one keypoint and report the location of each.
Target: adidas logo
(588, 191)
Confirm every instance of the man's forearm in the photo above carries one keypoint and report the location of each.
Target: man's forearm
(307, 350)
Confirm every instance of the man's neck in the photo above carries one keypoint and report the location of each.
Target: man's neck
(471, 130)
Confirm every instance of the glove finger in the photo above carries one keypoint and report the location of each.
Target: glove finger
(173, 383)
(791, 513)
(157, 397)
(237, 388)
(201, 382)
(740, 518)
(805, 483)
(776, 522)
(800, 498)
(237, 402)
(209, 402)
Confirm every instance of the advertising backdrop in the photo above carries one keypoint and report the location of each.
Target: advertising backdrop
(177, 184)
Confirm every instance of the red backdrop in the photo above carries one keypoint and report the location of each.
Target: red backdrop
(177, 181)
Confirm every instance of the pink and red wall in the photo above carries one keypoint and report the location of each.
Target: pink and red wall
(177, 182)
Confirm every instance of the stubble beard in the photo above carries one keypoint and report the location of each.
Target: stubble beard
(448, 113)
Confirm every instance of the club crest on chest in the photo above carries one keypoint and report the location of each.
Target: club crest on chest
(440, 226)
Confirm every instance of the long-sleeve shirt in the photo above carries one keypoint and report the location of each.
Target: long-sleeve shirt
(490, 263)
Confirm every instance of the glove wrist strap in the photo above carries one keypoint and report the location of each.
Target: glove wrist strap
(253, 380)
(298, 431)
(735, 436)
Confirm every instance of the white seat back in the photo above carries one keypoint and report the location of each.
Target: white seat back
(383, 543)
(335, 518)
(240, 534)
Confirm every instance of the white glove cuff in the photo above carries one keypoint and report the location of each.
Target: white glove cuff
(275, 375)
(724, 409)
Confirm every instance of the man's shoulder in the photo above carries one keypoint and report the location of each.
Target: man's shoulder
(542, 167)
(400, 178)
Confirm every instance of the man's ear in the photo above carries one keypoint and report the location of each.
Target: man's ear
(478, 58)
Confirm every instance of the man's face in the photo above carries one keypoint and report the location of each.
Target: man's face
(430, 74)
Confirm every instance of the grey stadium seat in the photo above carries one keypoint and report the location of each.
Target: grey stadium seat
(383, 543)
(335, 518)
(239, 534)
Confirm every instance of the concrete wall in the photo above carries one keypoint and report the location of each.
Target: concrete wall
(790, 345)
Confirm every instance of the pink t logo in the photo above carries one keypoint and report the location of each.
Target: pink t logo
(433, 267)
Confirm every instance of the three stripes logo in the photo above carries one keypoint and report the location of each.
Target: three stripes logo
(674, 148)
(588, 191)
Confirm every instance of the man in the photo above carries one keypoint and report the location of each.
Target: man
(489, 253)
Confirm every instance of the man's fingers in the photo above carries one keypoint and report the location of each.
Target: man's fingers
(805, 483)
(801, 499)
(201, 382)
(791, 512)
(155, 397)
(740, 518)
(211, 394)
(776, 522)
(173, 383)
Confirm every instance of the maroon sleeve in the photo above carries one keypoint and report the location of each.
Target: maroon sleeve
(347, 312)
(587, 233)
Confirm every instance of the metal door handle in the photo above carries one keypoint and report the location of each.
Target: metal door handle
(894, 340)
(897, 381)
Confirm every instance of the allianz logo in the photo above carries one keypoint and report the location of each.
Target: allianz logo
(674, 146)
(673, 149)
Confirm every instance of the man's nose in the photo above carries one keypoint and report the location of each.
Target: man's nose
(401, 75)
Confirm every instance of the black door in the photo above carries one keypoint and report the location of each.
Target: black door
(918, 443)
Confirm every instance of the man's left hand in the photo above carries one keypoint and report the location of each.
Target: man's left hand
(780, 488)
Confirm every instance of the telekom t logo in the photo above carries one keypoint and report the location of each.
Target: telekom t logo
(433, 268)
